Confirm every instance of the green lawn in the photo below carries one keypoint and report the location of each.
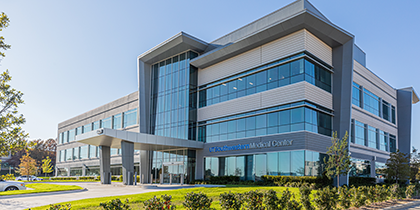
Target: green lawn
(41, 187)
(177, 196)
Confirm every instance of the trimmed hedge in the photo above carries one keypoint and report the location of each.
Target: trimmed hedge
(362, 181)
(285, 180)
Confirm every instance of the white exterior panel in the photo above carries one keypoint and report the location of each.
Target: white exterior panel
(318, 48)
(282, 47)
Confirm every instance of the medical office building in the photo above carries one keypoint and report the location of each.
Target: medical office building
(261, 100)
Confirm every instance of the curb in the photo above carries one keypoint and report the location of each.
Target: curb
(42, 193)
(401, 206)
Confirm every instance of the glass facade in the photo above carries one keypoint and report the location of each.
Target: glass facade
(266, 122)
(375, 138)
(87, 128)
(372, 103)
(252, 167)
(76, 153)
(69, 154)
(380, 170)
(288, 73)
(72, 135)
(92, 151)
(106, 123)
(392, 143)
(130, 117)
(96, 125)
(62, 155)
(360, 168)
(174, 84)
(84, 152)
(173, 163)
(117, 121)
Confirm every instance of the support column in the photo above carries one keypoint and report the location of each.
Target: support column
(84, 170)
(105, 164)
(145, 170)
(127, 155)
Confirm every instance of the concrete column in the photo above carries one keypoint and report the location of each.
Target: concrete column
(127, 156)
(105, 164)
(199, 167)
(68, 171)
(144, 167)
(84, 170)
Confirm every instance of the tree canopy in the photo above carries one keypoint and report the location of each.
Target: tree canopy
(12, 136)
(338, 162)
(398, 166)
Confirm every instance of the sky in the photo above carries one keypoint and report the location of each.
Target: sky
(69, 57)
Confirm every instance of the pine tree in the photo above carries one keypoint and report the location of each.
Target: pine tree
(398, 167)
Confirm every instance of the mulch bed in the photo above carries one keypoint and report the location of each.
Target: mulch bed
(385, 204)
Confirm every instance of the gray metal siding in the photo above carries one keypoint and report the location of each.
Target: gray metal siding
(373, 83)
(281, 95)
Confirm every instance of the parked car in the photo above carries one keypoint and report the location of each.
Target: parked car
(11, 185)
(31, 178)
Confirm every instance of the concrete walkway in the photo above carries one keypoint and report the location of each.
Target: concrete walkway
(94, 190)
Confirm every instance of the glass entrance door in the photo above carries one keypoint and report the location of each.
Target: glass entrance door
(173, 173)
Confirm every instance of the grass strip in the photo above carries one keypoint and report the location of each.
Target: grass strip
(40, 188)
(136, 200)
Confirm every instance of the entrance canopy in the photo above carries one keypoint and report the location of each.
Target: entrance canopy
(112, 138)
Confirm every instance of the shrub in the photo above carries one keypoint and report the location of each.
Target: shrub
(305, 198)
(115, 204)
(326, 198)
(409, 192)
(383, 193)
(372, 194)
(287, 201)
(60, 207)
(344, 197)
(8, 177)
(231, 201)
(157, 204)
(254, 200)
(271, 200)
(319, 181)
(358, 198)
(394, 192)
(197, 201)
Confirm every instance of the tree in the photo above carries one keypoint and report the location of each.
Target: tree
(12, 136)
(46, 166)
(398, 167)
(27, 166)
(4, 22)
(338, 162)
(414, 165)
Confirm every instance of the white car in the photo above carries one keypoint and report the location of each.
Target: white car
(11, 185)
(25, 178)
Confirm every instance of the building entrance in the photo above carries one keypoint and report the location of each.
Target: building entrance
(173, 173)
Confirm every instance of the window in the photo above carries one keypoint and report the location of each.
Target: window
(392, 143)
(130, 118)
(114, 151)
(281, 121)
(79, 130)
(106, 123)
(60, 138)
(65, 137)
(76, 154)
(117, 121)
(92, 151)
(96, 125)
(383, 141)
(277, 76)
(359, 133)
(359, 168)
(62, 155)
(356, 94)
(393, 114)
(386, 110)
(84, 152)
(69, 154)
(372, 137)
(72, 135)
(370, 102)
(87, 128)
